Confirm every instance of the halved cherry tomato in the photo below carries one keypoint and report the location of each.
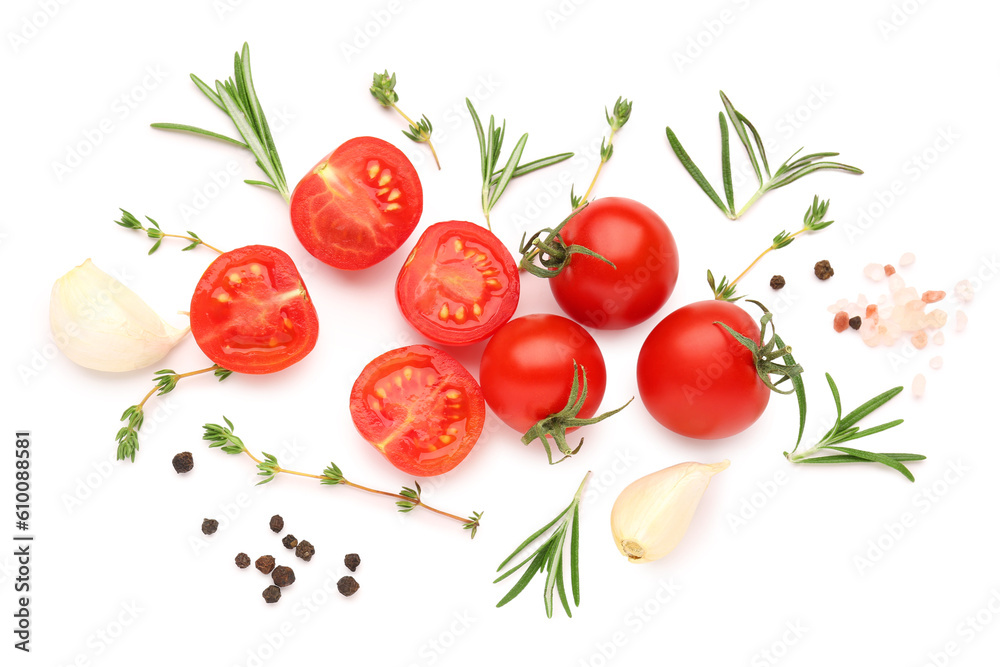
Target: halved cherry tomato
(358, 205)
(251, 313)
(419, 408)
(459, 284)
(638, 242)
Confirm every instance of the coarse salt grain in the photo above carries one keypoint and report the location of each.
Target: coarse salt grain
(919, 340)
(961, 319)
(919, 385)
(937, 318)
(889, 269)
(932, 296)
(896, 283)
(874, 272)
(937, 362)
(840, 321)
(964, 291)
(907, 259)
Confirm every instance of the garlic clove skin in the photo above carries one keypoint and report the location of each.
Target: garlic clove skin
(100, 323)
(651, 515)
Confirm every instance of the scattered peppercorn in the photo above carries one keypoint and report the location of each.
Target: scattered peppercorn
(305, 550)
(289, 541)
(777, 282)
(265, 564)
(277, 524)
(283, 576)
(347, 586)
(242, 561)
(183, 462)
(272, 594)
(823, 270)
(352, 561)
(855, 322)
(209, 526)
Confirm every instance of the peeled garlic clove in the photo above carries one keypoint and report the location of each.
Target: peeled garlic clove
(100, 323)
(652, 514)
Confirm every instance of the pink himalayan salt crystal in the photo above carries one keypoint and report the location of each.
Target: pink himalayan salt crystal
(932, 296)
(885, 333)
(837, 307)
(871, 312)
(964, 291)
(869, 332)
(874, 272)
(889, 269)
(905, 295)
(936, 318)
(961, 319)
(896, 283)
(919, 340)
(939, 338)
(919, 385)
(840, 321)
(910, 317)
(937, 362)
(907, 259)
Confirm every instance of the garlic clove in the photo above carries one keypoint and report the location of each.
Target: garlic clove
(651, 514)
(100, 323)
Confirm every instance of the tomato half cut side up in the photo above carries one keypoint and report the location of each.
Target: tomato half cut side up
(420, 408)
(358, 204)
(459, 284)
(251, 312)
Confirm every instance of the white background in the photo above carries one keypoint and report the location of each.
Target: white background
(120, 543)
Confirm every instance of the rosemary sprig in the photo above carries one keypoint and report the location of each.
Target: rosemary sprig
(129, 221)
(165, 381)
(844, 430)
(555, 425)
(548, 557)
(490, 144)
(238, 99)
(790, 170)
(616, 120)
(408, 499)
(383, 89)
(812, 222)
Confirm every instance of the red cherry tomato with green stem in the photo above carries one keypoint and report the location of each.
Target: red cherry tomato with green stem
(420, 408)
(358, 204)
(251, 312)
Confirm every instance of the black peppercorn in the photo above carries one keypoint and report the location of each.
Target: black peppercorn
(277, 523)
(283, 576)
(183, 462)
(777, 282)
(823, 270)
(209, 526)
(265, 564)
(272, 594)
(305, 550)
(352, 561)
(289, 541)
(347, 586)
(242, 560)
(855, 322)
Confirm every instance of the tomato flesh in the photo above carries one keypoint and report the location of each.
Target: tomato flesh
(639, 243)
(419, 408)
(695, 378)
(358, 204)
(459, 284)
(251, 312)
(527, 369)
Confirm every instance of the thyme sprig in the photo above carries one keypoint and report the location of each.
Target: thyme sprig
(812, 222)
(548, 558)
(164, 382)
(616, 120)
(129, 221)
(555, 425)
(383, 89)
(790, 170)
(844, 430)
(238, 99)
(268, 467)
(490, 143)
